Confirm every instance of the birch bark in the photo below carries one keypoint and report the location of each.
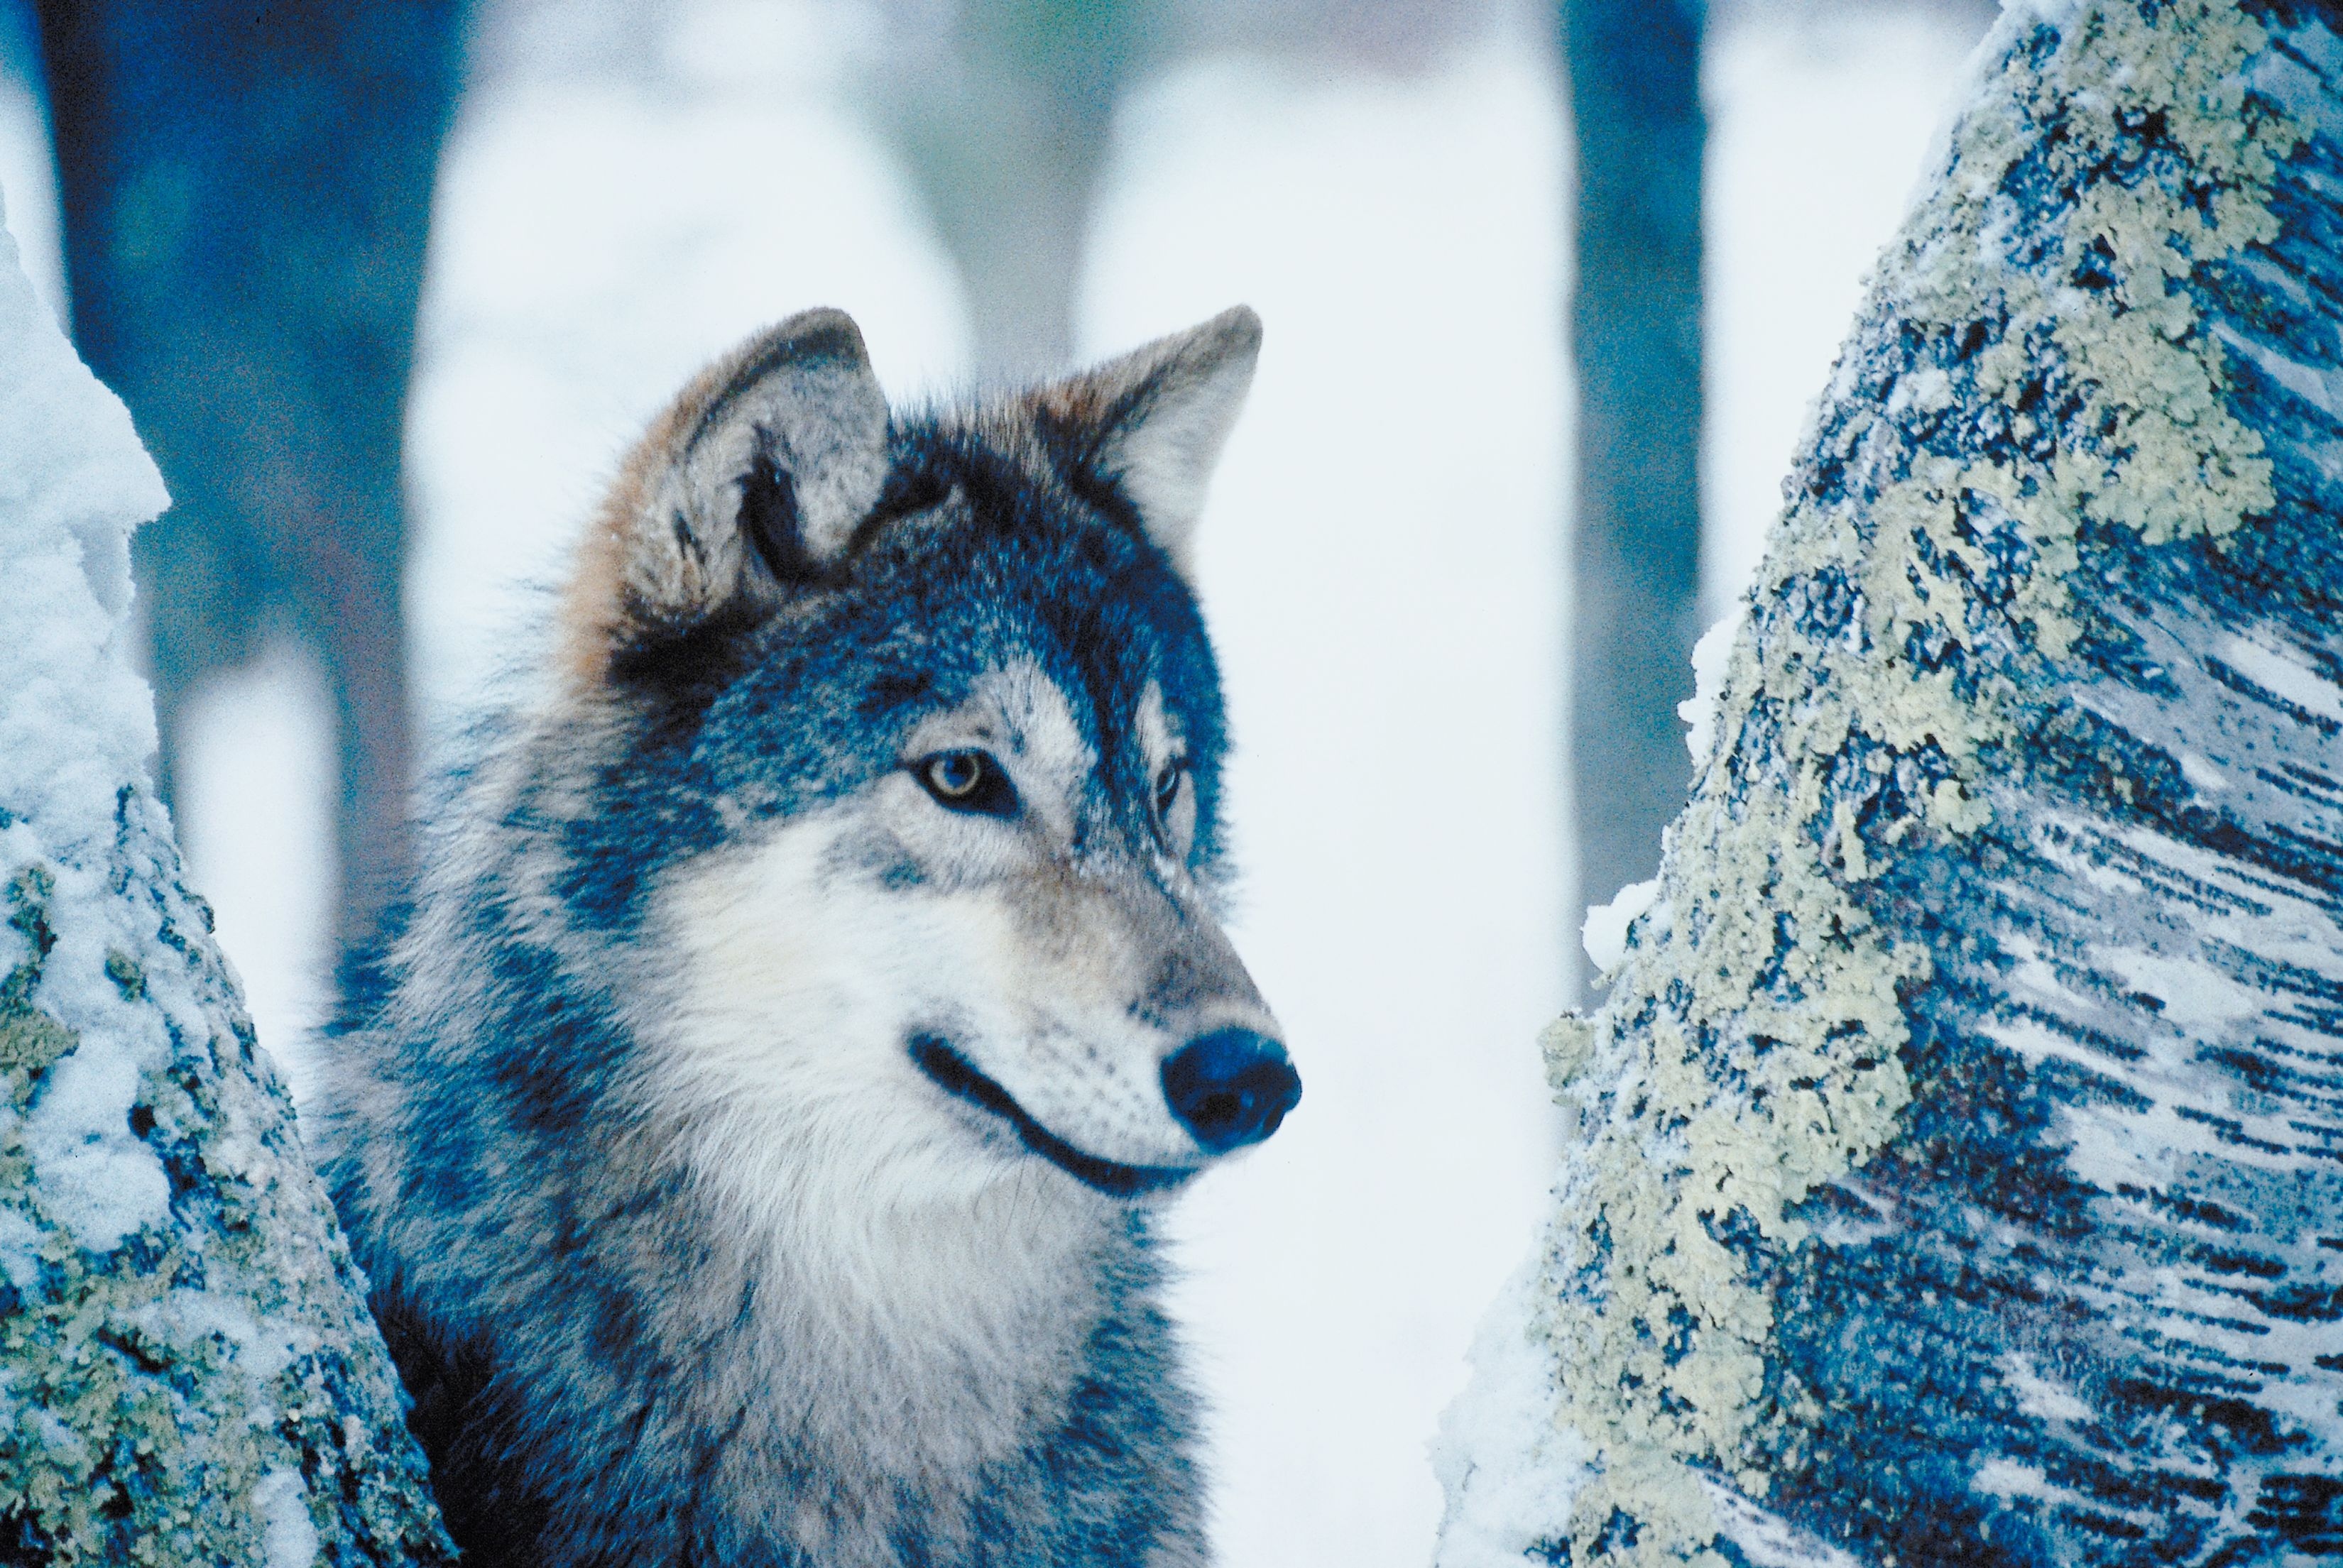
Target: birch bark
(1960, 1167)
(187, 1370)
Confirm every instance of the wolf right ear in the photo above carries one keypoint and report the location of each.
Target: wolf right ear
(750, 483)
(1151, 424)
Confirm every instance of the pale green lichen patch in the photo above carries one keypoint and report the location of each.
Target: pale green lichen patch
(103, 1422)
(151, 1388)
(2031, 368)
(127, 974)
(30, 1040)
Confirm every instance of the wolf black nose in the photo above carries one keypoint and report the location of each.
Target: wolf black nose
(1231, 1088)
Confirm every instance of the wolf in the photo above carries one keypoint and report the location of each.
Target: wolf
(753, 1129)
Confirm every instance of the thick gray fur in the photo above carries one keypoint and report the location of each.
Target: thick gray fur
(686, 1253)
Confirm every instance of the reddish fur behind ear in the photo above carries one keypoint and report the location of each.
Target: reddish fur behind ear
(595, 611)
(666, 549)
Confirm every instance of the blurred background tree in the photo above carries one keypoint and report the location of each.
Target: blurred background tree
(1633, 69)
(1004, 111)
(246, 193)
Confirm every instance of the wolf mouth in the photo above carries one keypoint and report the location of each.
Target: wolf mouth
(958, 1077)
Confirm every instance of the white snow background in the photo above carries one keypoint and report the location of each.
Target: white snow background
(1382, 563)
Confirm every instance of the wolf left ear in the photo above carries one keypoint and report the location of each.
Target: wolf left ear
(750, 483)
(1151, 424)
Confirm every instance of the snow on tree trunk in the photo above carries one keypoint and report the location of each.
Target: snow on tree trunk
(187, 1371)
(1960, 1168)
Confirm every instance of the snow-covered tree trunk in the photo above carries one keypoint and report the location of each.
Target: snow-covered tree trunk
(1960, 1168)
(187, 1371)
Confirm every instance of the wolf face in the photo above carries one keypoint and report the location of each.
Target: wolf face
(744, 1135)
(956, 777)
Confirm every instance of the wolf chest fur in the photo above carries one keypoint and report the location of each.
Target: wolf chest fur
(753, 1130)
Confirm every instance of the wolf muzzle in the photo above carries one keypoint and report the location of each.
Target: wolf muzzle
(958, 1077)
(1229, 1089)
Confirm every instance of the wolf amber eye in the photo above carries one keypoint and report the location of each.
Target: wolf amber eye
(967, 781)
(1175, 810)
(956, 774)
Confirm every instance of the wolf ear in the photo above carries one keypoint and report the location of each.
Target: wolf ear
(750, 482)
(1151, 424)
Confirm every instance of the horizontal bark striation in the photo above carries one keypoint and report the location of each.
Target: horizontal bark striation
(1961, 1177)
(2087, 1305)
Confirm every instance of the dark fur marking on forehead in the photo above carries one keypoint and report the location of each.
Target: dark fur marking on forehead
(1022, 564)
(908, 491)
(1078, 556)
(896, 688)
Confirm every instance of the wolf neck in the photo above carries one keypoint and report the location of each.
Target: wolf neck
(742, 1259)
(926, 1333)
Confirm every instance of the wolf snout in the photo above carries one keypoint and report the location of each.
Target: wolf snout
(1231, 1088)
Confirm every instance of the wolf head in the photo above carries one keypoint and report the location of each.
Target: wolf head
(906, 787)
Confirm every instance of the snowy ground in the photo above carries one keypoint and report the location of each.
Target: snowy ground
(1382, 564)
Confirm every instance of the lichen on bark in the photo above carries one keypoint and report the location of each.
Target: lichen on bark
(2038, 402)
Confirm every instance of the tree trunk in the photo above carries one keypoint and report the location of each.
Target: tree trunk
(187, 1371)
(247, 189)
(1007, 131)
(1960, 1177)
(1004, 110)
(1635, 99)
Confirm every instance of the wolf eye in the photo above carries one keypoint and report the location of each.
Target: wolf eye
(967, 781)
(1175, 808)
